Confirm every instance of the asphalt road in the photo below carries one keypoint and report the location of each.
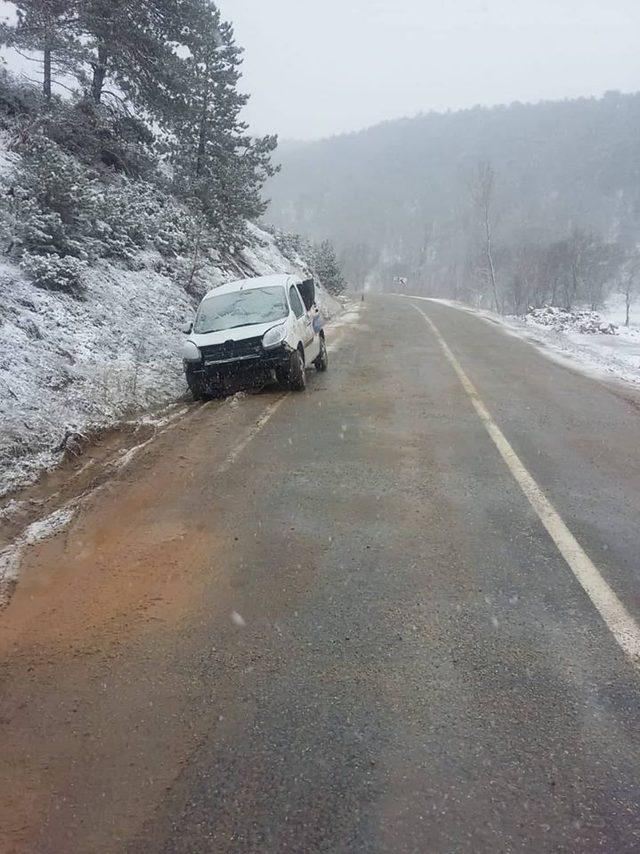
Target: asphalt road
(335, 622)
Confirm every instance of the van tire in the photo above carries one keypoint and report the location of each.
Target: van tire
(322, 359)
(297, 375)
(196, 389)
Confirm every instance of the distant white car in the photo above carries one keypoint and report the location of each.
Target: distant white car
(248, 332)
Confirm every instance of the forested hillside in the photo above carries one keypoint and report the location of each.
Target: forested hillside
(515, 205)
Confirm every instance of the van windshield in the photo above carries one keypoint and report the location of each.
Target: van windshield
(241, 308)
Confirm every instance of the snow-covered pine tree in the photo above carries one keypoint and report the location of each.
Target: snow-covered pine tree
(217, 163)
(48, 29)
(326, 267)
(54, 202)
(128, 51)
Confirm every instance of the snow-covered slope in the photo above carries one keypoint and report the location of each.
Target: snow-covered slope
(69, 365)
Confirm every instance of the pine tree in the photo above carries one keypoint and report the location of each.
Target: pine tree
(217, 162)
(55, 197)
(130, 45)
(327, 269)
(46, 27)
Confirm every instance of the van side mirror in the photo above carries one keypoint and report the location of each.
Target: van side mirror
(187, 327)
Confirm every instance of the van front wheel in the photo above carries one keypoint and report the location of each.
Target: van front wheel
(195, 387)
(297, 380)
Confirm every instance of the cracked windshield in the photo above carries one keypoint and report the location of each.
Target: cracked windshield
(319, 427)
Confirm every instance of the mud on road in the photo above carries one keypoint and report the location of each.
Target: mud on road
(113, 552)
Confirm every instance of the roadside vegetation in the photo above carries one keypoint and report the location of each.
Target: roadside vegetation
(133, 140)
(145, 148)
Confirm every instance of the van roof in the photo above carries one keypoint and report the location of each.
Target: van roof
(275, 280)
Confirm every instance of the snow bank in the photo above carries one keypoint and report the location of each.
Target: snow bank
(589, 340)
(68, 365)
(615, 354)
(569, 320)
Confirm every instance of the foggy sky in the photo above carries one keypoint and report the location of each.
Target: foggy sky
(319, 67)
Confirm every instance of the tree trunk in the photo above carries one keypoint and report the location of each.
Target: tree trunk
(492, 271)
(99, 74)
(46, 85)
(202, 139)
(627, 303)
(194, 264)
(573, 288)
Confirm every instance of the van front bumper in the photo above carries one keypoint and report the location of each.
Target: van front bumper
(219, 373)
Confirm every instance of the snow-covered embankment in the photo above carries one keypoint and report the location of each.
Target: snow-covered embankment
(69, 365)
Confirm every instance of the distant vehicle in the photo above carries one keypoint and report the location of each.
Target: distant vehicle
(252, 331)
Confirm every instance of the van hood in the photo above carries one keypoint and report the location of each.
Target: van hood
(256, 330)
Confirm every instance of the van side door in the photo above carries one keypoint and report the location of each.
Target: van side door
(310, 340)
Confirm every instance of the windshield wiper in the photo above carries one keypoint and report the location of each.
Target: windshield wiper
(237, 326)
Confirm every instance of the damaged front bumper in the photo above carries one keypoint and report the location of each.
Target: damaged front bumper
(215, 374)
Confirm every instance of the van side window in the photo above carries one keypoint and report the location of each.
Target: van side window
(296, 302)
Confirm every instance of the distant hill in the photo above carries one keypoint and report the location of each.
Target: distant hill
(398, 198)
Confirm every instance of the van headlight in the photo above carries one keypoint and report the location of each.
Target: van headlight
(274, 336)
(190, 352)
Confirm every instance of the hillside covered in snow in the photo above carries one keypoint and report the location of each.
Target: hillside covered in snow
(69, 366)
(108, 243)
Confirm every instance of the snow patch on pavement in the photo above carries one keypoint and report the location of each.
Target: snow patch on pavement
(10, 556)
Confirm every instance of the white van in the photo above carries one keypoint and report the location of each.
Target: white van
(248, 332)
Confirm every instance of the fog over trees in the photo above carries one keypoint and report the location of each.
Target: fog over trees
(504, 207)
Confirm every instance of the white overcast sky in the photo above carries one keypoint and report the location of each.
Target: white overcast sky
(319, 67)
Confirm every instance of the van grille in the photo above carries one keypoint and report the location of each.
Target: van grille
(232, 350)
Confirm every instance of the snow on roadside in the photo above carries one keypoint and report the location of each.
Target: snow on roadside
(42, 529)
(613, 354)
(569, 320)
(72, 366)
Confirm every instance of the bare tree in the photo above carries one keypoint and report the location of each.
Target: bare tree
(358, 260)
(554, 271)
(629, 280)
(576, 254)
(594, 263)
(482, 197)
(529, 286)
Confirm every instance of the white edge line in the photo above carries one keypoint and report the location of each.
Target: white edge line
(551, 350)
(251, 434)
(621, 624)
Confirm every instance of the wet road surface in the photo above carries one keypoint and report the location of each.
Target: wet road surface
(334, 622)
